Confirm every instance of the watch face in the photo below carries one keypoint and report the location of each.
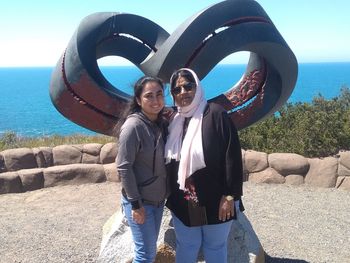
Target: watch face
(229, 198)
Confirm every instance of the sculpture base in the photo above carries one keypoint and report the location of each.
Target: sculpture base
(117, 245)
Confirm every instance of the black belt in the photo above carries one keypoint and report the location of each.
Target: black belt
(146, 202)
(154, 203)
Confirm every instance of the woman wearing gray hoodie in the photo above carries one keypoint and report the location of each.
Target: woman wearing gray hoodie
(140, 164)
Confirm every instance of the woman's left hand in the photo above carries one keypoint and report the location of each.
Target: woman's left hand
(226, 210)
(139, 215)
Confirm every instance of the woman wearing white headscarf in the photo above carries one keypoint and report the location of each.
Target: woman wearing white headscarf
(204, 164)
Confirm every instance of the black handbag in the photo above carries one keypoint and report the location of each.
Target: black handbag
(197, 214)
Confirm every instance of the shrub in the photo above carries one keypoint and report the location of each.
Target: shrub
(317, 129)
(8, 140)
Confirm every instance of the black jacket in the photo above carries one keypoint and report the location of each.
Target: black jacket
(223, 174)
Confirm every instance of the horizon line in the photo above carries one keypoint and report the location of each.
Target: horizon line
(132, 65)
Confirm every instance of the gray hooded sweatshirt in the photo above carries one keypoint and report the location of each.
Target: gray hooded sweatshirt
(140, 161)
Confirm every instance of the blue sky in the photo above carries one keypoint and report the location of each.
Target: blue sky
(36, 32)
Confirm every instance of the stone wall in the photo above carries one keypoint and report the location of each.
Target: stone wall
(26, 169)
(294, 169)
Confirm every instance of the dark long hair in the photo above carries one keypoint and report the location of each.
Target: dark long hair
(133, 106)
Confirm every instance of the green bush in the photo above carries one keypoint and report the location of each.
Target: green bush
(316, 129)
(8, 140)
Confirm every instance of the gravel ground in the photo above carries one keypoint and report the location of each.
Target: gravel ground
(300, 224)
(64, 223)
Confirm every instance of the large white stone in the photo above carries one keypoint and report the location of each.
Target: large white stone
(117, 245)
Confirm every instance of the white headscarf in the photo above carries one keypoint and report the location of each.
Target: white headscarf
(190, 150)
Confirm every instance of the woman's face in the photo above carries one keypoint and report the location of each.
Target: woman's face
(183, 92)
(151, 100)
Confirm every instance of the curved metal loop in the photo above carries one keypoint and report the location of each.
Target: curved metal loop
(81, 93)
(78, 89)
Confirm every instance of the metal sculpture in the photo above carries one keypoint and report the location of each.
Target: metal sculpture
(81, 93)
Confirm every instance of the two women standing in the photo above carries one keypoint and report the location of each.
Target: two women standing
(203, 164)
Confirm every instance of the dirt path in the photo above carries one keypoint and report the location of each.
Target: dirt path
(64, 223)
(58, 224)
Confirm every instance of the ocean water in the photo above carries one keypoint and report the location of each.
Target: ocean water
(26, 108)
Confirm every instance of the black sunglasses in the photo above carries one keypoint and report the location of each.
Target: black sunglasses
(188, 87)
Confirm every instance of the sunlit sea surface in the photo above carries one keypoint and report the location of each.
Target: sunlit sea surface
(26, 108)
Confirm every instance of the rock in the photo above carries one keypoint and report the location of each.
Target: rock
(343, 183)
(243, 243)
(17, 159)
(2, 164)
(269, 175)
(344, 159)
(32, 179)
(39, 157)
(294, 179)
(344, 164)
(108, 153)
(48, 155)
(255, 161)
(111, 172)
(322, 172)
(10, 182)
(91, 153)
(245, 171)
(74, 174)
(343, 170)
(117, 245)
(43, 156)
(66, 154)
(288, 163)
(340, 180)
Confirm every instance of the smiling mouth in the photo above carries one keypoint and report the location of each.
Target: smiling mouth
(157, 107)
(186, 99)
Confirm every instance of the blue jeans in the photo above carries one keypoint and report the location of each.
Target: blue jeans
(144, 236)
(212, 239)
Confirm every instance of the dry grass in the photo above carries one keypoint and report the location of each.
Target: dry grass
(10, 140)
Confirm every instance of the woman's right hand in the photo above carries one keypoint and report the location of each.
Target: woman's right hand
(139, 215)
(168, 113)
(226, 210)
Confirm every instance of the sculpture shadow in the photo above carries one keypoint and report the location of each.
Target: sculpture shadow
(169, 238)
(269, 259)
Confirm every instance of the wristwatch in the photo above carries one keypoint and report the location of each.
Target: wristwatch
(229, 197)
